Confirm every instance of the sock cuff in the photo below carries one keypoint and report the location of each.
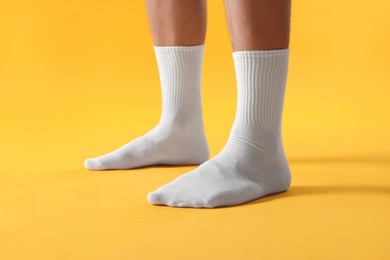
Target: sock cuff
(180, 71)
(261, 53)
(181, 48)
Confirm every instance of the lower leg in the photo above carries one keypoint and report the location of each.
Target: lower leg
(259, 24)
(178, 29)
(177, 22)
(252, 164)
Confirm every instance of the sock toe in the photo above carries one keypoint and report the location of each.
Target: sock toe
(155, 198)
(187, 200)
(93, 164)
(183, 199)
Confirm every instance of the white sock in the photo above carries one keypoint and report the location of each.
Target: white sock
(252, 164)
(179, 137)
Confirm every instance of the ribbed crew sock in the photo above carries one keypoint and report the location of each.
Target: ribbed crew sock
(252, 164)
(178, 138)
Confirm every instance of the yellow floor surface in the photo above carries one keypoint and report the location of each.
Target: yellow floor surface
(79, 79)
(335, 209)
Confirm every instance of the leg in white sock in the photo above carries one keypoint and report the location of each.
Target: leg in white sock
(252, 164)
(178, 29)
(179, 137)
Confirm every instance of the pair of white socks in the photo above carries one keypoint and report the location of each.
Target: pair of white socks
(251, 165)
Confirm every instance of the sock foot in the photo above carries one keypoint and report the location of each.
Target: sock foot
(238, 174)
(166, 144)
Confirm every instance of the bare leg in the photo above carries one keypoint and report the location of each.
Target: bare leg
(178, 28)
(252, 164)
(259, 24)
(177, 22)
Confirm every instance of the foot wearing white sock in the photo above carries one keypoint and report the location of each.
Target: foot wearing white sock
(252, 164)
(179, 138)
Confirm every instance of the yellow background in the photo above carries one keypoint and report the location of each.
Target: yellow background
(79, 79)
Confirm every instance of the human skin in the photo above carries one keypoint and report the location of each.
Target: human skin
(253, 24)
(259, 24)
(177, 22)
